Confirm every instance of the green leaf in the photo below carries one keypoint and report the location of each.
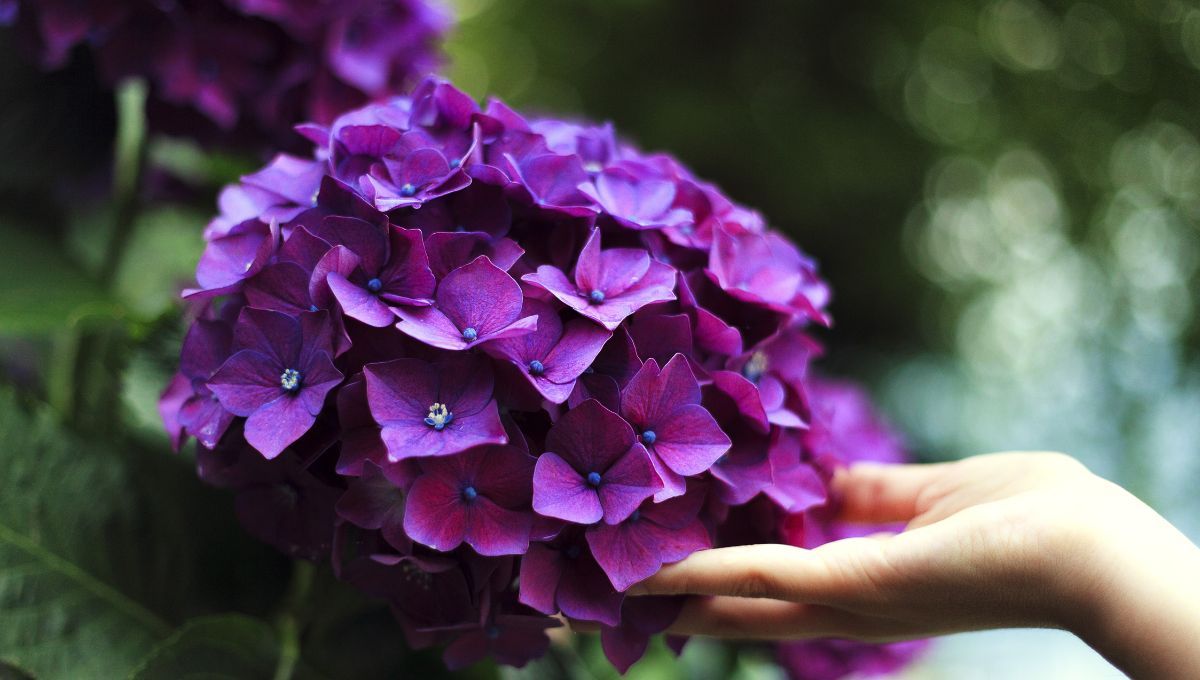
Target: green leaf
(41, 289)
(75, 567)
(160, 259)
(226, 646)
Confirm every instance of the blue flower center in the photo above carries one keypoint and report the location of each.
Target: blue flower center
(439, 416)
(469, 494)
(593, 479)
(596, 297)
(648, 436)
(573, 551)
(470, 334)
(536, 367)
(374, 285)
(635, 516)
(455, 162)
(313, 308)
(408, 190)
(290, 380)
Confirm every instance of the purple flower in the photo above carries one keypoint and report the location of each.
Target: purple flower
(189, 407)
(370, 271)
(635, 201)
(478, 497)
(682, 437)
(651, 536)
(428, 409)
(374, 502)
(278, 376)
(562, 575)
(475, 303)
(767, 269)
(593, 468)
(551, 182)
(554, 355)
(513, 639)
(609, 285)
(641, 618)
(778, 367)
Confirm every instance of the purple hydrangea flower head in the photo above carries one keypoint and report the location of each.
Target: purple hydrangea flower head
(479, 497)
(608, 285)
(568, 363)
(278, 376)
(593, 468)
(475, 303)
(428, 409)
(242, 71)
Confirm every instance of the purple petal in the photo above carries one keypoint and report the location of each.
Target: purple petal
(358, 303)
(627, 483)
(560, 491)
(591, 437)
(246, 382)
(435, 514)
(480, 295)
(494, 530)
(272, 428)
(635, 549)
(653, 395)
(541, 569)
(689, 441)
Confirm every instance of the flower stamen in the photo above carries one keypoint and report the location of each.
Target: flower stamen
(439, 417)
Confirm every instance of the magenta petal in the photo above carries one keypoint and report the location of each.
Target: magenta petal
(273, 427)
(591, 437)
(620, 268)
(273, 333)
(587, 266)
(247, 381)
(690, 441)
(585, 594)
(541, 569)
(430, 326)
(400, 389)
(493, 530)
(652, 395)
(579, 346)
(634, 550)
(560, 491)
(415, 439)
(434, 514)
(320, 376)
(480, 295)
(673, 484)
(359, 303)
(626, 484)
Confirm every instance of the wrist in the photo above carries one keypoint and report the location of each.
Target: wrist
(1137, 596)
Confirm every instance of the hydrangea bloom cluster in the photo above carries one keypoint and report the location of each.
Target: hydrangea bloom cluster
(498, 369)
(251, 66)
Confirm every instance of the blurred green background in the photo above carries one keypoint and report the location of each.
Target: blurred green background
(1005, 195)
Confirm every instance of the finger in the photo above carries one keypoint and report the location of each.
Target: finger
(759, 619)
(878, 493)
(780, 572)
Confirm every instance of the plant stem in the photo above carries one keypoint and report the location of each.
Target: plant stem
(129, 163)
(288, 623)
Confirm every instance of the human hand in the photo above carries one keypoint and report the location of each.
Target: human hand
(995, 541)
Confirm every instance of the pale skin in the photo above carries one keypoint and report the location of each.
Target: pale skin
(997, 541)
